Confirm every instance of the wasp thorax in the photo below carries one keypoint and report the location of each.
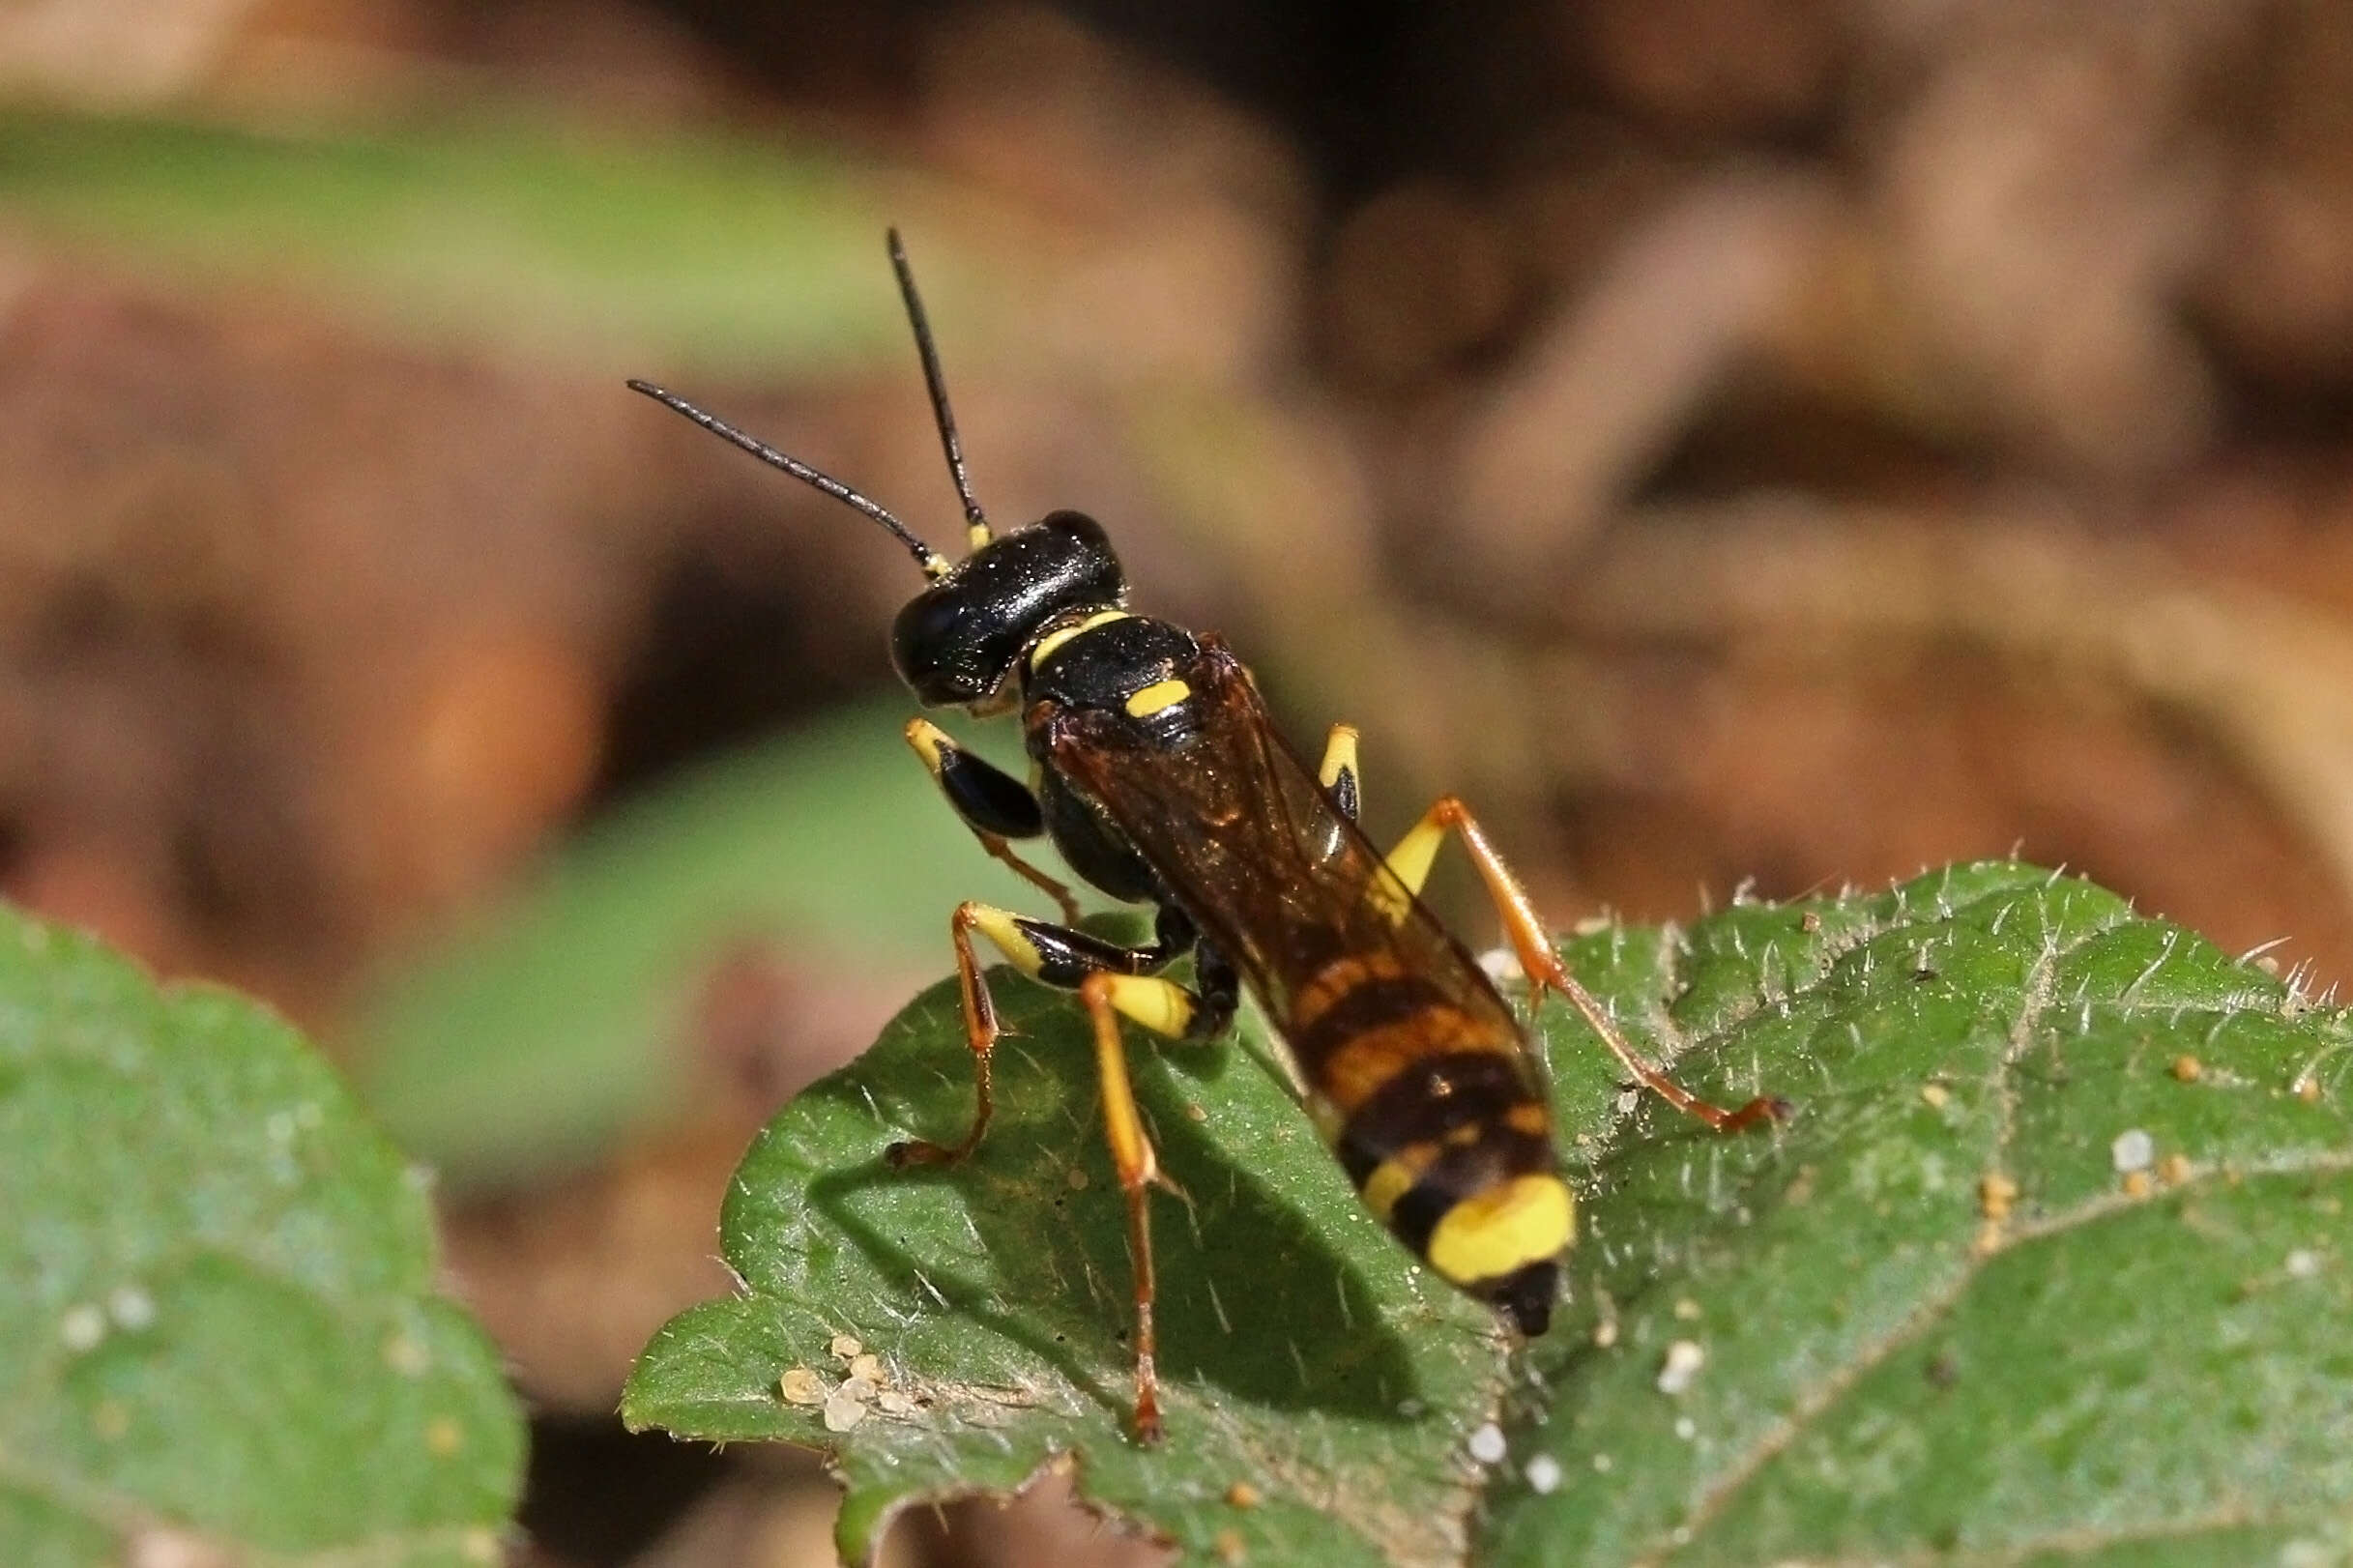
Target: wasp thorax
(957, 641)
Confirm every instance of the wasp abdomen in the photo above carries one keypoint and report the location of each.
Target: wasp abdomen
(1440, 1124)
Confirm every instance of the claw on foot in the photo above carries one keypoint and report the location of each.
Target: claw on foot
(1762, 1110)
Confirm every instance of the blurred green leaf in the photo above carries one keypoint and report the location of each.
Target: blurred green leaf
(559, 1020)
(735, 254)
(1894, 1363)
(217, 1324)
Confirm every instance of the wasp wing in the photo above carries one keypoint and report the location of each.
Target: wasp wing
(1250, 845)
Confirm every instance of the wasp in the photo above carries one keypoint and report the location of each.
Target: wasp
(1160, 778)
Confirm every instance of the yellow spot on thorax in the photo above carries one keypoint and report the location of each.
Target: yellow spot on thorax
(1053, 640)
(1496, 1233)
(1156, 697)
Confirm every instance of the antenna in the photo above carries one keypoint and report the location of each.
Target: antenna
(931, 560)
(975, 521)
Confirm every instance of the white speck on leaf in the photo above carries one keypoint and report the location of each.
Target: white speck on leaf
(2132, 1150)
(132, 1308)
(1487, 1444)
(82, 1328)
(406, 1356)
(1543, 1474)
(167, 1548)
(2303, 1264)
(1684, 1359)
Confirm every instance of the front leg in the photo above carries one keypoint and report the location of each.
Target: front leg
(1065, 958)
(992, 802)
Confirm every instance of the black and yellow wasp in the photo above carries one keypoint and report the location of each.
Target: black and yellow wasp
(1160, 779)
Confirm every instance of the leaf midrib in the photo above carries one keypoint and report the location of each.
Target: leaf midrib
(2040, 997)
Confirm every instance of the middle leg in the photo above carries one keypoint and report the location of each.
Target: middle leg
(1056, 955)
(1112, 982)
(1167, 1008)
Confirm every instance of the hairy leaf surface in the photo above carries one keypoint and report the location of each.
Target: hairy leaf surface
(2048, 1267)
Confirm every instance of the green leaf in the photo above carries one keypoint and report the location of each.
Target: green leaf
(216, 1308)
(737, 253)
(1932, 1320)
(2120, 1367)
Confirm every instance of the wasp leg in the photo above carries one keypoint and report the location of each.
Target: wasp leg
(1111, 980)
(1409, 864)
(1168, 1008)
(1054, 955)
(992, 802)
(1338, 773)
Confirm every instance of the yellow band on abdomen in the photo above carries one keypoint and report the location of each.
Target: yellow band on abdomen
(1525, 1220)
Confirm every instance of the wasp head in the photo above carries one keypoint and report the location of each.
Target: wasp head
(958, 641)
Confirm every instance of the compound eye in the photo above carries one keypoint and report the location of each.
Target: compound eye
(952, 647)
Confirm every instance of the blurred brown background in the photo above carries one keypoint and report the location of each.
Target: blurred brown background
(1739, 445)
